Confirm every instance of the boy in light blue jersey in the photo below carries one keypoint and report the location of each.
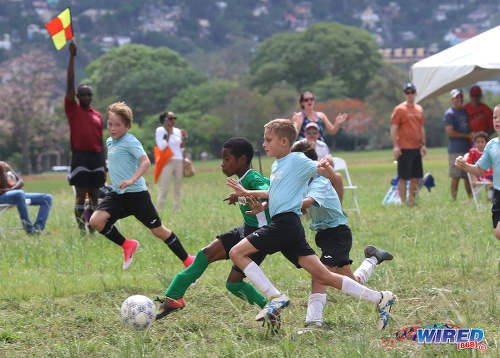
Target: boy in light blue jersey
(290, 174)
(127, 163)
(333, 237)
(490, 158)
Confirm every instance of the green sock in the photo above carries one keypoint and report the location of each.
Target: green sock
(246, 292)
(183, 279)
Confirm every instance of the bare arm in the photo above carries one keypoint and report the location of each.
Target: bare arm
(452, 133)
(394, 137)
(423, 149)
(70, 84)
(298, 120)
(333, 128)
(473, 169)
(145, 164)
(307, 203)
(240, 191)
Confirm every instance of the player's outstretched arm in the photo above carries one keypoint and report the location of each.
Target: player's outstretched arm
(240, 191)
(70, 89)
(325, 169)
(145, 164)
(256, 205)
(473, 169)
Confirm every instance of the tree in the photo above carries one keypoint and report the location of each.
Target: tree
(323, 50)
(29, 91)
(146, 78)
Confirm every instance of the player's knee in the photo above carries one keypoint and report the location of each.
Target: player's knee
(97, 223)
(234, 252)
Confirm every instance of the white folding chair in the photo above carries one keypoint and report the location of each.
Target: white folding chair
(476, 189)
(3, 209)
(340, 164)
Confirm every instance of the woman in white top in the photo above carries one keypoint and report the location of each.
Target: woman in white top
(170, 136)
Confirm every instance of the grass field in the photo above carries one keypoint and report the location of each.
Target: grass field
(60, 294)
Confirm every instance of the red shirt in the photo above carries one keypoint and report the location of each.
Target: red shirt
(474, 156)
(480, 117)
(85, 126)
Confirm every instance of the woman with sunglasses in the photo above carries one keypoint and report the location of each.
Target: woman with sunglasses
(170, 136)
(88, 172)
(301, 119)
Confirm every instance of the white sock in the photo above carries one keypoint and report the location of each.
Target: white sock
(365, 270)
(315, 307)
(260, 281)
(352, 288)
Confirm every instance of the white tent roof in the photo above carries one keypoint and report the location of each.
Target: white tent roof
(476, 59)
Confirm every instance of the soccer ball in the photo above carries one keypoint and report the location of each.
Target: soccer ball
(138, 311)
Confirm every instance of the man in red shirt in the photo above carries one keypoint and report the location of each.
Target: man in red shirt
(408, 140)
(87, 160)
(480, 115)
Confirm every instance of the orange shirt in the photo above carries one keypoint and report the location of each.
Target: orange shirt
(409, 120)
(480, 117)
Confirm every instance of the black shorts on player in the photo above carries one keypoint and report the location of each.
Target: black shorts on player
(87, 169)
(232, 237)
(495, 209)
(139, 204)
(284, 233)
(335, 244)
(410, 164)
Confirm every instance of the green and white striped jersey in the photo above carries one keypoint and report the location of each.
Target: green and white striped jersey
(253, 180)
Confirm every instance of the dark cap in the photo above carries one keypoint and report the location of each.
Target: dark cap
(475, 91)
(408, 86)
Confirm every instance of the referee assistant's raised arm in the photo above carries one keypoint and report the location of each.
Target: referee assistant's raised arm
(70, 84)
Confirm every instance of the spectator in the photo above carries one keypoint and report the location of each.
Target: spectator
(88, 172)
(301, 119)
(408, 140)
(480, 115)
(480, 140)
(459, 134)
(11, 193)
(170, 136)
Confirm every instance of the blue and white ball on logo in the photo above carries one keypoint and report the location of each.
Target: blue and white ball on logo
(138, 311)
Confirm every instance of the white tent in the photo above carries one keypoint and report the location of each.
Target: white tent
(476, 59)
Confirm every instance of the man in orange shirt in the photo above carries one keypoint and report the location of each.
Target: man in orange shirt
(408, 140)
(480, 115)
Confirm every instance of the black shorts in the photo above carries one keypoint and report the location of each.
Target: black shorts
(284, 233)
(495, 209)
(335, 244)
(139, 204)
(231, 238)
(410, 164)
(87, 169)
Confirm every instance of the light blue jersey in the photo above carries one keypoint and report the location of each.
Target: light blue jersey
(326, 212)
(289, 177)
(123, 161)
(491, 158)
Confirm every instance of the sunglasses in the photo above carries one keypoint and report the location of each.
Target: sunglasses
(310, 99)
(409, 92)
(171, 118)
(311, 132)
(84, 94)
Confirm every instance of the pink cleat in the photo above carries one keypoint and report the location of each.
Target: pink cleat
(129, 247)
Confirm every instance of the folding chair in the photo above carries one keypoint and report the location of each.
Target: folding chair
(476, 189)
(3, 209)
(340, 164)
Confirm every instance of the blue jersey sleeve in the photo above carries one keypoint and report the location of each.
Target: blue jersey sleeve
(307, 168)
(321, 191)
(485, 161)
(135, 148)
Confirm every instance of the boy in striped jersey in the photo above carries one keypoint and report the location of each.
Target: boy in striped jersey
(237, 155)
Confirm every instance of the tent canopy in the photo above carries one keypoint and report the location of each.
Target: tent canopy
(476, 59)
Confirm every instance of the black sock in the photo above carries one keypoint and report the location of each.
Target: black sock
(113, 234)
(79, 215)
(175, 245)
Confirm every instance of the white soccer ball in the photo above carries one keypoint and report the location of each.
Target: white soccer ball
(138, 311)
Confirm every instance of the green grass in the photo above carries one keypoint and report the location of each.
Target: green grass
(60, 294)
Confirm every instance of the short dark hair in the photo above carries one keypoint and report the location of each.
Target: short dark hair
(305, 147)
(239, 146)
(163, 117)
(481, 135)
(84, 85)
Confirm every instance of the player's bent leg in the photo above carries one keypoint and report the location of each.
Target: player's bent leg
(98, 220)
(319, 272)
(244, 290)
(316, 304)
(344, 271)
(240, 252)
(215, 251)
(173, 243)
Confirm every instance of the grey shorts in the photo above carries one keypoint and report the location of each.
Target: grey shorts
(453, 171)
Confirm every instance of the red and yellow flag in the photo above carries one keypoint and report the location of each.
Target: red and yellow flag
(60, 29)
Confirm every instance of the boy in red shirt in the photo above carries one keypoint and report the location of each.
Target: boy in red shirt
(480, 140)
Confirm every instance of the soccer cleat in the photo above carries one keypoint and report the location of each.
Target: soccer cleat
(273, 307)
(384, 307)
(273, 324)
(169, 305)
(128, 252)
(380, 255)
